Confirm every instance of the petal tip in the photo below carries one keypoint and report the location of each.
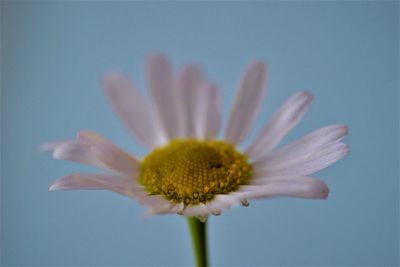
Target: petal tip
(346, 149)
(53, 187)
(308, 96)
(258, 67)
(256, 63)
(341, 129)
(302, 98)
(46, 147)
(156, 55)
(326, 192)
(320, 193)
(110, 77)
(156, 58)
(113, 81)
(50, 146)
(345, 130)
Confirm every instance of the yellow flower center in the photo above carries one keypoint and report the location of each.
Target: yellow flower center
(193, 172)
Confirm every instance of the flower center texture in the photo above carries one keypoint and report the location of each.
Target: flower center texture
(192, 172)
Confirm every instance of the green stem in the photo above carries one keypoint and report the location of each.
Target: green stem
(198, 231)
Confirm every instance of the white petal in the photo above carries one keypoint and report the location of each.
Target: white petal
(119, 184)
(161, 86)
(207, 111)
(187, 84)
(303, 187)
(223, 202)
(285, 119)
(247, 103)
(307, 163)
(108, 153)
(311, 142)
(133, 109)
(196, 210)
(159, 206)
(215, 206)
(214, 113)
(77, 152)
(50, 146)
(92, 149)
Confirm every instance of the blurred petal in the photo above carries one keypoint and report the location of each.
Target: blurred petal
(303, 187)
(77, 152)
(311, 142)
(196, 210)
(133, 109)
(165, 97)
(223, 202)
(207, 111)
(50, 146)
(122, 185)
(108, 153)
(247, 103)
(187, 84)
(157, 204)
(164, 207)
(304, 164)
(284, 120)
(93, 149)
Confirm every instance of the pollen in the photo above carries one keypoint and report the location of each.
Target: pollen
(192, 172)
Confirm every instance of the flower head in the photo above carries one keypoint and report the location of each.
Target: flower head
(189, 170)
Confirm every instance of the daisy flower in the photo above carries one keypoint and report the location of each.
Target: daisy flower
(190, 171)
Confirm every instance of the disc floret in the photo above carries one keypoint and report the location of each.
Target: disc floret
(191, 172)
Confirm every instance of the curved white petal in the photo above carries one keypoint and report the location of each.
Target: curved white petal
(93, 149)
(213, 207)
(214, 112)
(134, 109)
(162, 89)
(285, 119)
(296, 186)
(304, 164)
(207, 111)
(223, 202)
(119, 184)
(156, 204)
(310, 143)
(187, 84)
(247, 103)
(159, 205)
(108, 153)
(196, 210)
(50, 146)
(77, 152)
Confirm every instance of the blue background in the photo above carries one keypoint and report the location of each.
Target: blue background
(53, 55)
